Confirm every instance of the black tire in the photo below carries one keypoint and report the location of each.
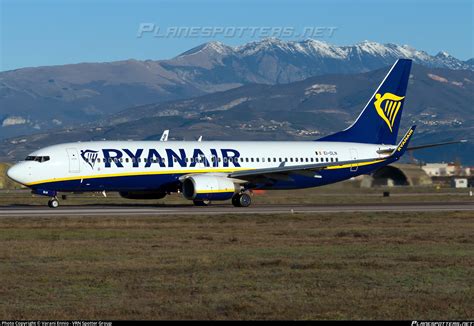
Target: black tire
(245, 200)
(236, 200)
(53, 203)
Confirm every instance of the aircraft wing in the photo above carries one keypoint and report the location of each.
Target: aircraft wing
(305, 169)
(311, 170)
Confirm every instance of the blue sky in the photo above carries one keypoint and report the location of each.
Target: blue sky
(52, 32)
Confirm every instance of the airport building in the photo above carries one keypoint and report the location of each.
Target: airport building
(439, 174)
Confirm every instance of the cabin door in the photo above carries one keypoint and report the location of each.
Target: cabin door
(354, 156)
(74, 166)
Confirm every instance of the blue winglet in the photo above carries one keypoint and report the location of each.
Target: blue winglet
(403, 144)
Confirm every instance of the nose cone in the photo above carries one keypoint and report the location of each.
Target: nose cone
(17, 174)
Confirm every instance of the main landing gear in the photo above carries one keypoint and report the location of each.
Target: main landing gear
(241, 200)
(53, 203)
(238, 200)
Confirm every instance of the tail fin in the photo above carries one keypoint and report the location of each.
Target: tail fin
(379, 121)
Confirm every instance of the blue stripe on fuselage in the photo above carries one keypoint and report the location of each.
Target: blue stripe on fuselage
(170, 182)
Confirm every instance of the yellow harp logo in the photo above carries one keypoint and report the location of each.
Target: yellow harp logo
(387, 107)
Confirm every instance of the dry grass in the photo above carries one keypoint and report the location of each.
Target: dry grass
(300, 266)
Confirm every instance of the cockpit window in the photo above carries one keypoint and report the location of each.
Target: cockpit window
(40, 159)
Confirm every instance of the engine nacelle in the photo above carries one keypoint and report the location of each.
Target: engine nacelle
(208, 187)
(142, 194)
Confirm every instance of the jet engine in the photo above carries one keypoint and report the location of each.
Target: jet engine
(208, 187)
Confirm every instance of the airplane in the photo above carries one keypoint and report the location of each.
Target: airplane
(164, 136)
(205, 171)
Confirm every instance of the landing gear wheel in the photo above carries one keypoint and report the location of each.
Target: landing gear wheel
(235, 200)
(53, 203)
(201, 202)
(241, 200)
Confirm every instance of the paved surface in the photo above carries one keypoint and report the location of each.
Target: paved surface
(118, 210)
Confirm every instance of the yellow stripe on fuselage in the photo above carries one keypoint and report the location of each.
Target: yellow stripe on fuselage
(132, 174)
(345, 166)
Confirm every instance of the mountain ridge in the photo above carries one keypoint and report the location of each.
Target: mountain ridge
(438, 100)
(48, 97)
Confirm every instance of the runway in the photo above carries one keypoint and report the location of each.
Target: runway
(118, 210)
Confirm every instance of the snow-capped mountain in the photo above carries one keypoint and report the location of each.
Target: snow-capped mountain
(35, 99)
(365, 55)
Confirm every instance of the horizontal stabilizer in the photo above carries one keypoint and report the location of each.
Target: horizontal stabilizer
(436, 144)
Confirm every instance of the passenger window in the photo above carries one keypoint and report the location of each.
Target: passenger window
(291, 159)
(258, 160)
(39, 159)
(274, 159)
(296, 159)
(317, 160)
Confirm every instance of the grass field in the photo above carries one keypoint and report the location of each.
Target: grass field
(298, 266)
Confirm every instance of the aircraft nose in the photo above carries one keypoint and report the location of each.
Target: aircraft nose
(17, 174)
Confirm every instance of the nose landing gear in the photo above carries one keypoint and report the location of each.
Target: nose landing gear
(53, 203)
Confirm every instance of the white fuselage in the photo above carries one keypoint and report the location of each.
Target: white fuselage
(89, 162)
